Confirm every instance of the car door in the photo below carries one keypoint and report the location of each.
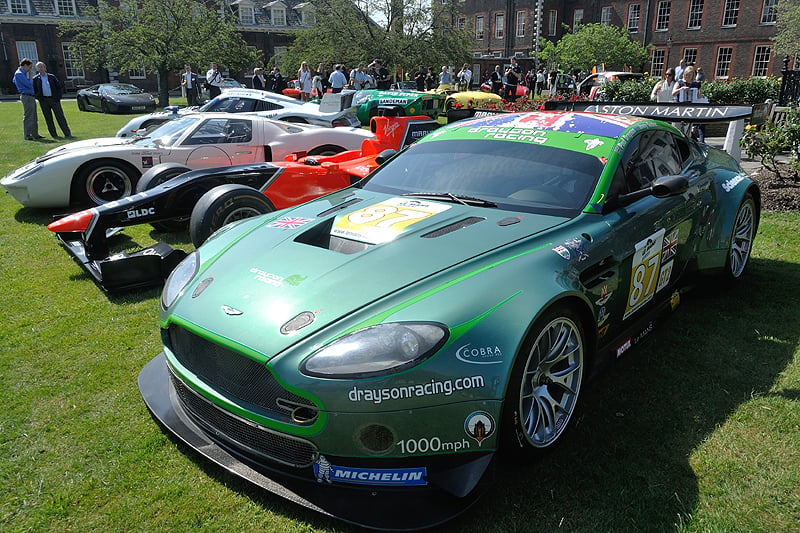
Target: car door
(217, 142)
(653, 239)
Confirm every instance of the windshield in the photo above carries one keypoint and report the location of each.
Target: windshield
(168, 132)
(230, 104)
(122, 89)
(513, 175)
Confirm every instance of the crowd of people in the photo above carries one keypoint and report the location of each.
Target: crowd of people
(682, 84)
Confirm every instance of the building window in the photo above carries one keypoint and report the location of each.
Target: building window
(278, 16)
(521, 17)
(723, 68)
(72, 61)
(761, 60)
(19, 7)
(280, 54)
(731, 13)
(246, 14)
(657, 62)
(499, 25)
(461, 22)
(605, 14)
(577, 19)
(695, 15)
(66, 8)
(662, 15)
(552, 22)
(690, 56)
(27, 49)
(769, 13)
(634, 13)
(479, 28)
(137, 73)
(308, 17)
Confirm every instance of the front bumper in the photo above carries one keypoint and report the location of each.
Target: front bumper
(375, 507)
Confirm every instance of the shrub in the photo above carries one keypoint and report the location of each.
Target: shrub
(629, 91)
(743, 91)
(773, 139)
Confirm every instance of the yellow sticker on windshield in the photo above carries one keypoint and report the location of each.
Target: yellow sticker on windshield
(382, 222)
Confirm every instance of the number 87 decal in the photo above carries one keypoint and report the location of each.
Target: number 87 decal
(644, 272)
(384, 221)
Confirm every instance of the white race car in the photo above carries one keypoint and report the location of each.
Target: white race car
(97, 171)
(334, 110)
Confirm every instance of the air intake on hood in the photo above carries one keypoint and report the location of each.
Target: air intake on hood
(453, 227)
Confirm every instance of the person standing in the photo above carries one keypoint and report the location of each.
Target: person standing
(304, 78)
(445, 78)
(513, 77)
(679, 69)
(496, 79)
(380, 74)
(337, 79)
(259, 81)
(464, 78)
(48, 90)
(419, 78)
(276, 82)
(686, 91)
(24, 85)
(662, 90)
(430, 79)
(213, 81)
(190, 85)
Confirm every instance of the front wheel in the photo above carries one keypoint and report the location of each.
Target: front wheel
(545, 383)
(743, 233)
(103, 181)
(222, 205)
(81, 104)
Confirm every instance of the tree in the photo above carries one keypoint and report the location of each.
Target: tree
(596, 44)
(787, 38)
(158, 35)
(400, 32)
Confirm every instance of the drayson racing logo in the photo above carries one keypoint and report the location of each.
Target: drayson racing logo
(433, 388)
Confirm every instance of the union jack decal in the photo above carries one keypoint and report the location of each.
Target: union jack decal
(289, 222)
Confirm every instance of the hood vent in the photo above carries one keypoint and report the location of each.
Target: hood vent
(453, 227)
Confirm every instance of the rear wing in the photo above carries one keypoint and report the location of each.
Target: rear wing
(336, 102)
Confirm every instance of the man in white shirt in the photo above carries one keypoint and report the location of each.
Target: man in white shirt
(214, 81)
(48, 92)
(337, 79)
(189, 83)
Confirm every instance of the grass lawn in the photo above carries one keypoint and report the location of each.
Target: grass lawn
(697, 429)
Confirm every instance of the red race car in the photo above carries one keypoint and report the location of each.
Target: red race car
(172, 197)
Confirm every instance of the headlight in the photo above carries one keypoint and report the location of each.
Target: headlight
(377, 350)
(25, 172)
(179, 278)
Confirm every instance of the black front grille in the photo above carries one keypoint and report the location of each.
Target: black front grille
(235, 374)
(244, 435)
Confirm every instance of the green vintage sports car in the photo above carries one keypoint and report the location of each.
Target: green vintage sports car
(400, 103)
(370, 353)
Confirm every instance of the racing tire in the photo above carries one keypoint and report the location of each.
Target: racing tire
(222, 205)
(743, 232)
(81, 104)
(326, 149)
(103, 181)
(156, 176)
(104, 107)
(545, 384)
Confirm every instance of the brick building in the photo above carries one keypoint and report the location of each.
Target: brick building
(728, 38)
(29, 28)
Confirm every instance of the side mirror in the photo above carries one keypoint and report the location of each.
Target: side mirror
(662, 187)
(385, 155)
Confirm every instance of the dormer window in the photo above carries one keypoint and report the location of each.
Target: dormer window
(66, 8)
(19, 7)
(305, 11)
(277, 13)
(245, 12)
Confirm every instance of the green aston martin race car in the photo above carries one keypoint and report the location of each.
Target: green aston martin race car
(370, 353)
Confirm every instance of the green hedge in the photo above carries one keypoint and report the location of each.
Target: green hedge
(743, 91)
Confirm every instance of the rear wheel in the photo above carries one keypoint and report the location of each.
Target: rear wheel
(742, 234)
(326, 149)
(103, 181)
(156, 176)
(104, 107)
(222, 205)
(545, 383)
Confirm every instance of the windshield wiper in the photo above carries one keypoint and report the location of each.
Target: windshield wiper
(456, 199)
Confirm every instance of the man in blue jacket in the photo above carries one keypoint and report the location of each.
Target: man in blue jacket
(48, 91)
(24, 85)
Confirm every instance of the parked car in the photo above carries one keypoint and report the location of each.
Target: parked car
(96, 171)
(334, 110)
(115, 98)
(403, 103)
(172, 197)
(382, 345)
(591, 86)
(521, 90)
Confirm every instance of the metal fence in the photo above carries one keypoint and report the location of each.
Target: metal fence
(789, 93)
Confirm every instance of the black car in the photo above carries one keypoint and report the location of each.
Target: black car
(116, 98)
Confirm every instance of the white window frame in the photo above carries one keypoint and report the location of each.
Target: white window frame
(634, 17)
(277, 15)
(606, 13)
(137, 73)
(761, 58)
(730, 14)
(769, 12)
(461, 22)
(479, 27)
(27, 49)
(19, 7)
(66, 8)
(722, 65)
(663, 12)
(499, 25)
(246, 14)
(690, 55)
(577, 19)
(695, 20)
(73, 67)
(520, 23)
(657, 62)
(552, 22)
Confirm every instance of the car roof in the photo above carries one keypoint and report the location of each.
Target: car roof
(256, 94)
(572, 130)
